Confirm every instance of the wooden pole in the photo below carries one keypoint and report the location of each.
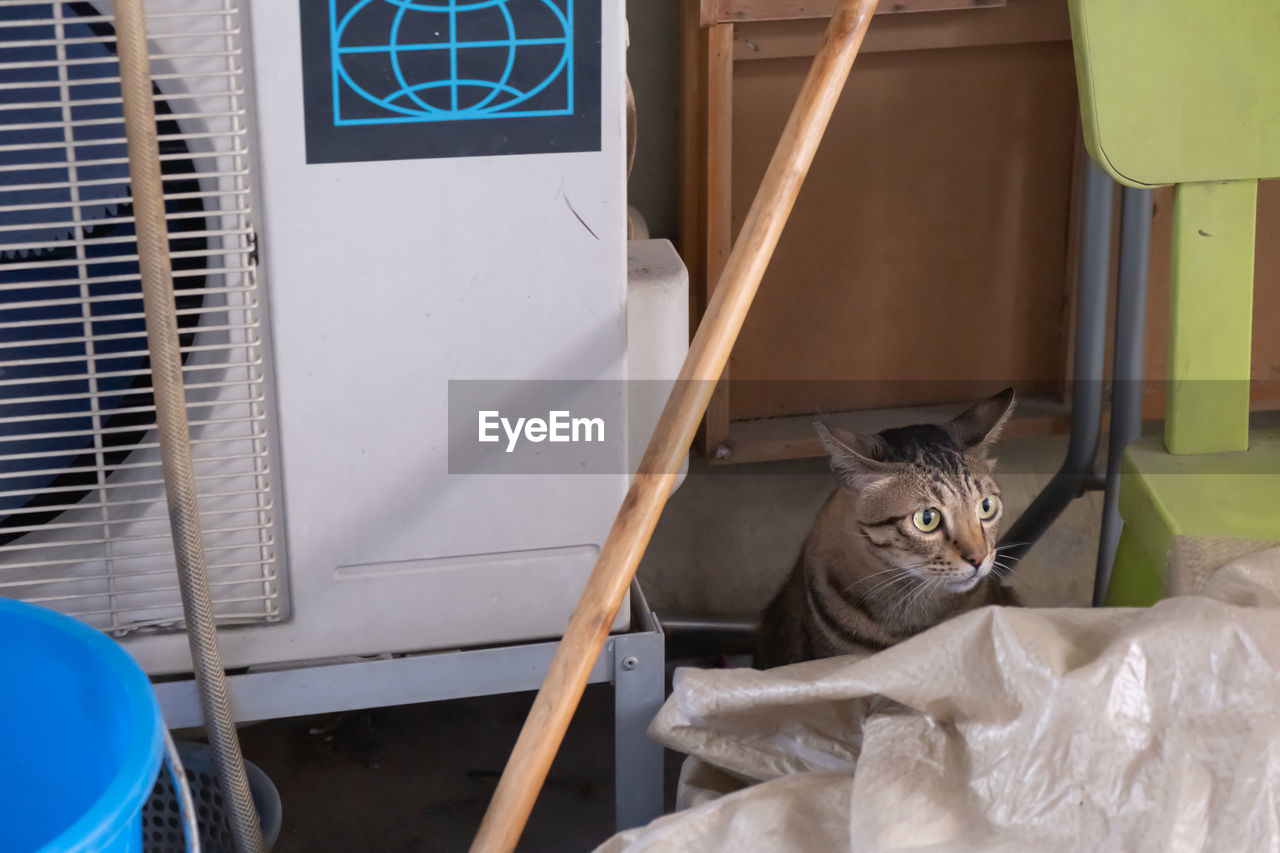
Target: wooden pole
(589, 625)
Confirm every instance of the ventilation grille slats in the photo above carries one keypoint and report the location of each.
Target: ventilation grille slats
(83, 523)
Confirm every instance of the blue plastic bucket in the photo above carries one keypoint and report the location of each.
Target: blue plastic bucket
(80, 736)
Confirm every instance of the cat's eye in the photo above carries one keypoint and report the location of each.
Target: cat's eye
(927, 520)
(987, 507)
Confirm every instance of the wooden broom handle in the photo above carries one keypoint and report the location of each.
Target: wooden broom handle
(589, 625)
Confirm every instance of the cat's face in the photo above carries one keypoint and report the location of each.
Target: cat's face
(937, 517)
(925, 498)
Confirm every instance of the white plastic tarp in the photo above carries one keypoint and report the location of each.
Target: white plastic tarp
(1005, 729)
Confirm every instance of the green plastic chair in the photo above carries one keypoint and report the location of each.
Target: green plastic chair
(1187, 93)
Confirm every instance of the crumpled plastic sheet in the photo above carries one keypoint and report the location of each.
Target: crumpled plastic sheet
(1005, 729)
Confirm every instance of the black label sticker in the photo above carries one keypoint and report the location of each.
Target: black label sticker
(409, 79)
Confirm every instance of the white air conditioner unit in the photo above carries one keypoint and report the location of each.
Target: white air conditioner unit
(368, 199)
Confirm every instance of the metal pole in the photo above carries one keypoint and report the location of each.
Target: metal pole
(156, 272)
(687, 623)
(1076, 473)
(1126, 372)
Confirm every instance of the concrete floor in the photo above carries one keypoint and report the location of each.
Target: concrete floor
(418, 778)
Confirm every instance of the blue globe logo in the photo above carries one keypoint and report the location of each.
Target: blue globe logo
(450, 60)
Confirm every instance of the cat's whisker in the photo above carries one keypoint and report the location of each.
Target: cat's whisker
(999, 556)
(908, 603)
(907, 581)
(902, 568)
(878, 574)
(937, 582)
(878, 585)
(920, 597)
(1012, 545)
(885, 586)
(894, 570)
(905, 578)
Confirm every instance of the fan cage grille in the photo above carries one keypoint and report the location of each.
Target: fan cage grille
(83, 524)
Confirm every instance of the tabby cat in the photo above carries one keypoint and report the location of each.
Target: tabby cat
(906, 541)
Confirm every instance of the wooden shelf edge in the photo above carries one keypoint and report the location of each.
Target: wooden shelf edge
(793, 437)
(733, 11)
(1021, 22)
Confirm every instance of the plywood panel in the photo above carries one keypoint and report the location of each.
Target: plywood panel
(1266, 287)
(938, 259)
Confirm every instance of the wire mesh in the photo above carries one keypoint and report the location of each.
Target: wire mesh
(83, 524)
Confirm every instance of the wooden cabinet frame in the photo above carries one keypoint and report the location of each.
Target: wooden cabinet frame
(721, 38)
(718, 36)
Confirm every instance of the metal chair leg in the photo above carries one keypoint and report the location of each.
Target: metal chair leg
(1076, 473)
(1126, 372)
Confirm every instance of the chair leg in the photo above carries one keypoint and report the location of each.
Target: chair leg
(1126, 375)
(1090, 356)
(1211, 317)
(1136, 582)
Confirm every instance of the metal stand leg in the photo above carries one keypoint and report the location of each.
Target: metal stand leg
(1126, 385)
(638, 690)
(1090, 356)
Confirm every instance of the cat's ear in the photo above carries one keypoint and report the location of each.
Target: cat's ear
(978, 427)
(853, 458)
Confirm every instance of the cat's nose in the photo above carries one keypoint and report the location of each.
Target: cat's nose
(975, 560)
